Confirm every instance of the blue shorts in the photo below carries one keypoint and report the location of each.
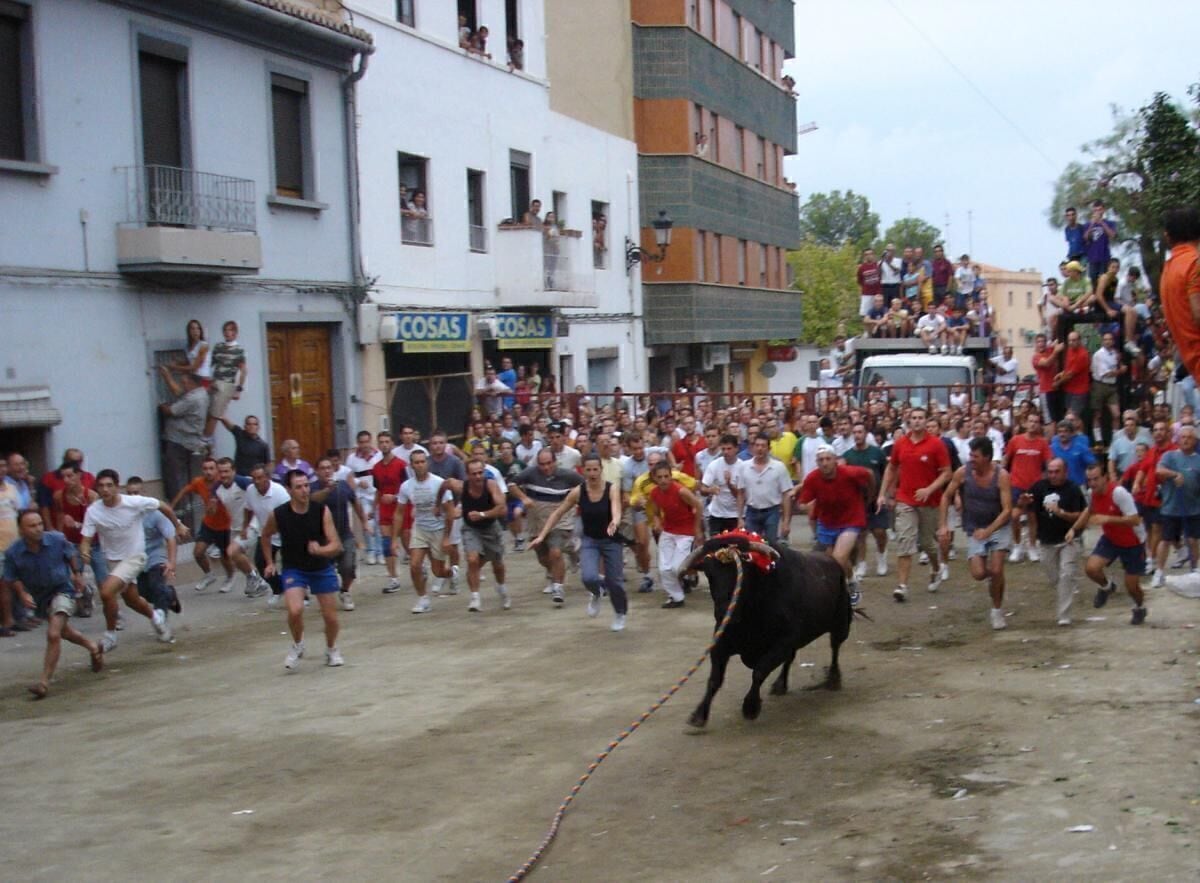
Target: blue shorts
(1180, 527)
(1133, 558)
(515, 508)
(827, 536)
(1149, 514)
(319, 582)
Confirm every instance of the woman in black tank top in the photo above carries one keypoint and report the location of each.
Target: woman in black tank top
(599, 505)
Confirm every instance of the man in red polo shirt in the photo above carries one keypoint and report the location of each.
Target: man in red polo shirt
(836, 494)
(1026, 456)
(1179, 288)
(1045, 365)
(1123, 537)
(1075, 379)
(869, 281)
(389, 473)
(685, 449)
(918, 470)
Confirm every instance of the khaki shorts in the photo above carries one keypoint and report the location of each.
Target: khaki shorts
(128, 570)
(537, 514)
(915, 528)
(423, 538)
(486, 542)
(220, 394)
(62, 603)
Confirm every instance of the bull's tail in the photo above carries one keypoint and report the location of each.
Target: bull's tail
(862, 613)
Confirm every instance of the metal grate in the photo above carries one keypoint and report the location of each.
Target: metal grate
(170, 196)
(416, 231)
(479, 239)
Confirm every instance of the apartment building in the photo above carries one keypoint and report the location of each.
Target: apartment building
(456, 143)
(161, 162)
(714, 118)
(1016, 297)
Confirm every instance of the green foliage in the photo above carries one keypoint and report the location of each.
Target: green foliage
(826, 276)
(836, 218)
(1149, 163)
(911, 231)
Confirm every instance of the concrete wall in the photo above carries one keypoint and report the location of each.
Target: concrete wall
(589, 61)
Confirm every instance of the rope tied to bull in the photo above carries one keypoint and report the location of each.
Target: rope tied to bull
(726, 555)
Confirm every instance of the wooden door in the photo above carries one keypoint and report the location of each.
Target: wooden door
(298, 358)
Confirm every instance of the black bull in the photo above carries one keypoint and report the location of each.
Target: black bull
(777, 613)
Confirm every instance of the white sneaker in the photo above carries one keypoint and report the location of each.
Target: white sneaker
(900, 594)
(549, 590)
(214, 552)
(1017, 555)
(476, 605)
(255, 585)
(505, 598)
(1181, 558)
(372, 558)
(392, 587)
(227, 586)
(347, 601)
(860, 571)
(120, 620)
(293, 658)
(423, 605)
(923, 558)
(881, 567)
(333, 657)
(998, 620)
(593, 606)
(1034, 555)
(945, 349)
(159, 620)
(208, 580)
(944, 573)
(1157, 581)
(557, 595)
(952, 555)
(618, 623)
(1064, 621)
(453, 580)
(932, 350)
(273, 601)
(108, 642)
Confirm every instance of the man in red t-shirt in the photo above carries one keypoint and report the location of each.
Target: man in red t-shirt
(214, 528)
(1122, 537)
(1045, 365)
(1145, 489)
(836, 495)
(1075, 379)
(1026, 456)
(685, 449)
(389, 473)
(870, 281)
(918, 470)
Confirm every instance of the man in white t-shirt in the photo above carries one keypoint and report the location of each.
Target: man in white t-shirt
(433, 522)
(931, 328)
(719, 486)
(117, 519)
(408, 444)
(360, 461)
(1006, 367)
(262, 498)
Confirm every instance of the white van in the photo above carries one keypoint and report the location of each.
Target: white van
(937, 373)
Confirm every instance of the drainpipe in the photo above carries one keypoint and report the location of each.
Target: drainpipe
(358, 273)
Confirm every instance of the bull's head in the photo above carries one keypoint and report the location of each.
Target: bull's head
(715, 559)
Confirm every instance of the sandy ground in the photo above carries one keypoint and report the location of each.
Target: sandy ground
(440, 751)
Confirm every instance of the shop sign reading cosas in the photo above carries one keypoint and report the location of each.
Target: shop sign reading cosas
(434, 332)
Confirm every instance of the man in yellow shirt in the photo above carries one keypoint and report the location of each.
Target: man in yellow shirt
(783, 444)
(639, 496)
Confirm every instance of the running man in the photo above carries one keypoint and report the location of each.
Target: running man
(987, 503)
(44, 574)
(433, 521)
(308, 542)
(1113, 509)
(837, 495)
(214, 528)
(340, 497)
(231, 490)
(388, 473)
(483, 507)
(263, 497)
(541, 489)
(865, 453)
(117, 519)
(678, 521)
(157, 582)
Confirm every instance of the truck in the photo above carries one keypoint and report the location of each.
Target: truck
(906, 362)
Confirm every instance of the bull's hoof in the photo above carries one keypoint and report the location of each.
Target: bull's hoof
(697, 720)
(833, 680)
(779, 688)
(751, 707)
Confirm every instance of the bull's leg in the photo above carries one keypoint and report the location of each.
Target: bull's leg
(717, 661)
(776, 656)
(780, 687)
(833, 680)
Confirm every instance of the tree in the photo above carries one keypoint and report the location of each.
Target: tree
(835, 218)
(1148, 164)
(826, 277)
(911, 231)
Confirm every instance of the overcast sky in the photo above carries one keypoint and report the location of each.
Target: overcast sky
(899, 125)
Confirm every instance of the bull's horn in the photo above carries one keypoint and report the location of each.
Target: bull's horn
(692, 559)
(764, 549)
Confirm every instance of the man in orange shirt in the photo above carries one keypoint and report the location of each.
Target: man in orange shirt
(214, 529)
(1075, 377)
(1179, 288)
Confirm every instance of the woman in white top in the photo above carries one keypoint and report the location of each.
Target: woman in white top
(199, 355)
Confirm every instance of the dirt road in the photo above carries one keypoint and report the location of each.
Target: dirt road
(440, 751)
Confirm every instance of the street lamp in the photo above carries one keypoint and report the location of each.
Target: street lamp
(635, 254)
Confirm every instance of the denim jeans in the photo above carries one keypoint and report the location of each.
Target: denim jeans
(764, 522)
(590, 555)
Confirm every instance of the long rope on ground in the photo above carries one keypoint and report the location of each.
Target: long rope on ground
(556, 822)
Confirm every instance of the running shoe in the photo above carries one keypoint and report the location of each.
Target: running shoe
(860, 570)
(505, 598)
(214, 552)
(347, 601)
(453, 580)
(476, 605)
(1017, 555)
(923, 558)
(293, 658)
(1064, 621)
(392, 587)
(1034, 555)
(273, 601)
(557, 595)
(593, 605)
(424, 605)
(998, 620)
(548, 590)
(159, 620)
(647, 584)
(226, 586)
(952, 555)
(1103, 594)
(208, 580)
(1139, 616)
(672, 604)
(900, 594)
(881, 566)
(108, 642)
(1158, 580)
(256, 586)
(855, 594)
(519, 544)
(618, 623)
(372, 558)
(333, 657)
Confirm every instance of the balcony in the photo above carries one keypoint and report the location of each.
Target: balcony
(416, 230)
(181, 222)
(698, 312)
(533, 270)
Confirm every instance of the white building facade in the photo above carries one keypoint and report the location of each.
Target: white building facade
(462, 281)
(176, 160)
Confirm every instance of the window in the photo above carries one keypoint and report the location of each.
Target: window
(762, 265)
(708, 18)
(714, 137)
(558, 202)
(416, 215)
(737, 159)
(761, 159)
(753, 40)
(476, 228)
(404, 12)
(741, 262)
(18, 130)
(519, 166)
(599, 234)
(716, 276)
(1010, 297)
(512, 26)
(701, 258)
(738, 38)
(290, 131)
(468, 15)
(1028, 299)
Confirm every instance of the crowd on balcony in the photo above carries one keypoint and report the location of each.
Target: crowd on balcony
(475, 42)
